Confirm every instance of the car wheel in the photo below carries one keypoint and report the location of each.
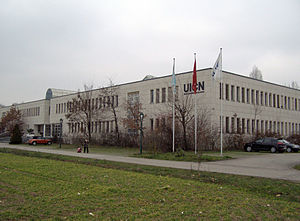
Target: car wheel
(34, 143)
(289, 150)
(273, 150)
(49, 143)
(248, 149)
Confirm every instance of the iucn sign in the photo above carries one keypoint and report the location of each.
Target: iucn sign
(187, 88)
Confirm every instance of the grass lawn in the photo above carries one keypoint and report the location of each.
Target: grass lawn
(43, 186)
(135, 152)
(188, 156)
(297, 167)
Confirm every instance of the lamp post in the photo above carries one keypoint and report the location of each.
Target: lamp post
(141, 133)
(60, 133)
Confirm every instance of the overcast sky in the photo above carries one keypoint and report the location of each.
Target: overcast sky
(66, 43)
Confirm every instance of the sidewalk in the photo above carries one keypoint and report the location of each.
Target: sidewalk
(275, 166)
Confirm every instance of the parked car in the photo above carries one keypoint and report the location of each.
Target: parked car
(39, 140)
(289, 146)
(267, 144)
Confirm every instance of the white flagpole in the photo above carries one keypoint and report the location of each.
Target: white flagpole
(195, 116)
(174, 91)
(221, 103)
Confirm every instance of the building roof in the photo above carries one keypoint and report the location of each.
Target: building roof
(53, 92)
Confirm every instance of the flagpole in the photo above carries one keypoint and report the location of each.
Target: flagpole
(195, 114)
(221, 104)
(174, 91)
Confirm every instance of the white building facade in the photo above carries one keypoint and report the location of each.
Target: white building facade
(248, 105)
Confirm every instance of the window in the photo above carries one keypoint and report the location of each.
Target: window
(253, 126)
(221, 91)
(108, 101)
(262, 98)
(238, 94)
(238, 125)
(266, 99)
(100, 102)
(157, 95)
(252, 96)
(270, 100)
(285, 102)
(107, 126)
(112, 126)
(232, 125)
(243, 126)
(163, 95)
(157, 123)
(248, 126)
(232, 92)
(117, 100)
(151, 96)
(227, 124)
(170, 94)
(151, 124)
(289, 103)
(227, 92)
(112, 101)
(243, 95)
(248, 95)
(257, 97)
(278, 101)
(274, 100)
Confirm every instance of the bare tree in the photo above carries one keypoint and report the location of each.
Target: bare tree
(183, 113)
(112, 103)
(83, 109)
(12, 118)
(294, 84)
(256, 73)
(132, 121)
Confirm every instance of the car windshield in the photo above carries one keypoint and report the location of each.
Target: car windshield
(284, 141)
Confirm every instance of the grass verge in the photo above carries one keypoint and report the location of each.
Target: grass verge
(188, 156)
(41, 186)
(297, 167)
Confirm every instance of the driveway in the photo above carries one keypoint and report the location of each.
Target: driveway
(275, 166)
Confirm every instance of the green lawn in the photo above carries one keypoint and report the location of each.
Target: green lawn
(135, 152)
(44, 186)
(297, 167)
(188, 156)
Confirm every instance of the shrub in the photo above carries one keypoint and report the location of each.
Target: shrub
(295, 138)
(16, 137)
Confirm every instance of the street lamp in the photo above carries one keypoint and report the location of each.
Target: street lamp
(141, 133)
(60, 134)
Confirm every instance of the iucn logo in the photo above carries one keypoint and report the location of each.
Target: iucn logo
(187, 88)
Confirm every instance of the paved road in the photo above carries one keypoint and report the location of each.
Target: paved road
(276, 166)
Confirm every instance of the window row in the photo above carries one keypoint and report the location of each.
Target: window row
(256, 97)
(161, 95)
(30, 112)
(96, 127)
(94, 103)
(252, 126)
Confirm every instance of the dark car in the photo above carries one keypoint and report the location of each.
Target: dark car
(40, 140)
(267, 144)
(289, 146)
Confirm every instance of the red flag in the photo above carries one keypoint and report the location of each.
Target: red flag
(195, 78)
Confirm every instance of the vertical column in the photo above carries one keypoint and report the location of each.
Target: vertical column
(44, 130)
